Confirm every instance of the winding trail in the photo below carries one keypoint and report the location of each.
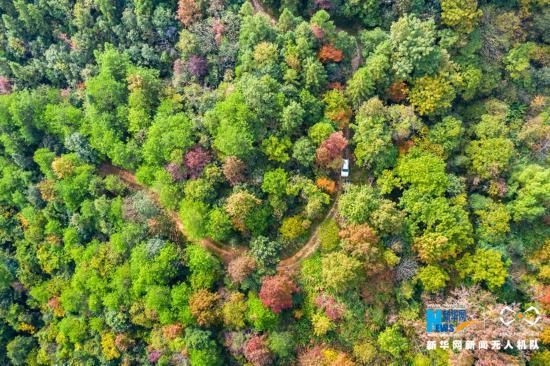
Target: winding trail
(225, 254)
(287, 265)
(292, 263)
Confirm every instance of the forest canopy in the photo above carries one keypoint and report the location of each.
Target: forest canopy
(173, 183)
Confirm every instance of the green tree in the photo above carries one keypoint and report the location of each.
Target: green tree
(460, 14)
(203, 351)
(366, 79)
(167, 134)
(328, 235)
(263, 96)
(447, 133)
(485, 265)
(432, 95)
(433, 247)
(144, 86)
(518, 62)
(194, 216)
(533, 187)
(319, 132)
(357, 203)
(292, 117)
(44, 158)
(20, 349)
(413, 45)
(265, 251)
(493, 219)
(276, 148)
(230, 123)
(340, 272)
(374, 148)
(433, 278)
(490, 157)
(392, 341)
(303, 151)
(240, 206)
(282, 344)
(234, 311)
(294, 227)
(219, 225)
(337, 107)
(6, 275)
(423, 171)
(260, 316)
(314, 74)
(275, 182)
(205, 268)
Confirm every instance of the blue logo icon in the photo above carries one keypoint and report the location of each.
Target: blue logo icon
(444, 320)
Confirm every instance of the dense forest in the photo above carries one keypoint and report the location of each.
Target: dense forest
(171, 189)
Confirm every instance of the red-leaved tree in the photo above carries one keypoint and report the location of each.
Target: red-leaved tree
(257, 352)
(197, 66)
(328, 53)
(176, 171)
(311, 356)
(317, 31)
(218, 28)
(331, 149)
(195, 161)
(276, 292)
(333, 309)
(323, 4)
(5, 85)
(398, 91)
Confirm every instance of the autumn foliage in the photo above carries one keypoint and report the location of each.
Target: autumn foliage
(195, 161)
(321, 355)
(5, 85)
(234, 170)
(326, 184)
(328, 53)
(204, 307)
(333, 309)
(197, 66)
(358, 237)
(331, 149)
(398, 91)
(188, 12)
(176, 171)
(276, 292)
(257, 352)
(240, 268)
(317, 31)
(172, 331)
(545, 299)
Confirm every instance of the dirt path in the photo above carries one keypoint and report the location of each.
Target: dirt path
(291, 264)
(225, 254)
(287, 265)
